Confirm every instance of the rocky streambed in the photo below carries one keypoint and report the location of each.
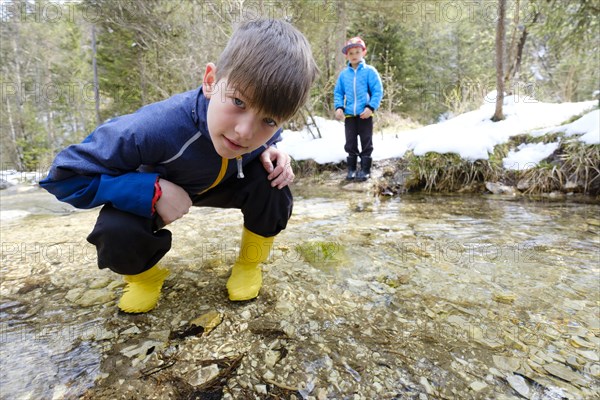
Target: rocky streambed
(417, 297)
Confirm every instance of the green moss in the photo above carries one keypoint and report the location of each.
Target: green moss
(392, 282)
(323, 255)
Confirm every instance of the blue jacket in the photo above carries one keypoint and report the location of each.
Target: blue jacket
(119, 162)
(360, 87)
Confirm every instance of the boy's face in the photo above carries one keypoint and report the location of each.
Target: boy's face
(234, 127)
(354, 55)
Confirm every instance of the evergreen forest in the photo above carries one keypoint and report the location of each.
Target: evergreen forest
(66, 66)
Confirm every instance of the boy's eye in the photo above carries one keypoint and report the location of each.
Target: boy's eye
(270, 121)
(238, 102)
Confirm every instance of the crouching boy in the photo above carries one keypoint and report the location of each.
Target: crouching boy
(210, 147)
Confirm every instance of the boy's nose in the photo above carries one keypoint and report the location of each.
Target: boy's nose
(246, 127)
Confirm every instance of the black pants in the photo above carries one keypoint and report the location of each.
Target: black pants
(363, 128)
(129, 244)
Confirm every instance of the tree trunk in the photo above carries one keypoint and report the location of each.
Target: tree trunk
(514, 61)
(18, 157)
(142, 69)
(18, 133)
(498, 114)
(340, 61)
(96, 84)
(511, 53)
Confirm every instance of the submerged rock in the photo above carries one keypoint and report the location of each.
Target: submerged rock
(519, 385)
(563, 372)
(499, 188)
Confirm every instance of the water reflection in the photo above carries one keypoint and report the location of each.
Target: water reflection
(45, 360)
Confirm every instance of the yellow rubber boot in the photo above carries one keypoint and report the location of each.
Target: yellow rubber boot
(246, 275)
(142, 290)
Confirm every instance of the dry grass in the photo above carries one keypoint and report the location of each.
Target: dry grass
(385, 121)
(450, 173)
(575, 167)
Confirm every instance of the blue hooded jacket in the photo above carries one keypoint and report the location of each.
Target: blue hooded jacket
(120, 161)
(360, 88)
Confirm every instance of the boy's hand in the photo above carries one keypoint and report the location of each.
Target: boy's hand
(366, 114)
(339, 114)
(282, 174)
(174, 202)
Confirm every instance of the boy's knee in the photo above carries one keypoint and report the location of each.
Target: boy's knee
(126, 243)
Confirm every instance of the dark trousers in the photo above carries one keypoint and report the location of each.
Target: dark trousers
(356, 127)
(129, 244)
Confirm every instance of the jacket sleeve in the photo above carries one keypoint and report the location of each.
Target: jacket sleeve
(103, 168)
(375, 88)
(338, 93)
(92, 191)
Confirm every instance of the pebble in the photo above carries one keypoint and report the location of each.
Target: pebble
(100, 283)
(322, 394)
(578, 342)
(378, 387)
(272, 357)
(563, 372)
(134, 330)
(506, 363)
(59, 392)
(269, 375)
(203, 375)
(284, 307)
(594, 370)
(246, 314)
(478, 386)
(589, 354)
(518, 383)
(504, 297)
(262, 389)
(423, 381)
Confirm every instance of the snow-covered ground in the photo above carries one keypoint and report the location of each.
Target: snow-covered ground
(15, 177)
(472, 135)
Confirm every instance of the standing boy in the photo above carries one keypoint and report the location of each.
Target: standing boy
(357, 94)
(213, 146)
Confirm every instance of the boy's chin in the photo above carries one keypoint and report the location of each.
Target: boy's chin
(227, 153)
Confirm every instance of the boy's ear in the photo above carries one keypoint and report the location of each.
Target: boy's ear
(209, 80)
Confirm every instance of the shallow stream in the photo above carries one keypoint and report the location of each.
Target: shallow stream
(418, 296)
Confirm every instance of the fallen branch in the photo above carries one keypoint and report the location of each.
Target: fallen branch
(281, 385)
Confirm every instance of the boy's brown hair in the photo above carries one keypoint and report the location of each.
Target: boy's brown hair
(271, 64)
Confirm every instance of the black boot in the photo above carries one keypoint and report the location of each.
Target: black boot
(351, 160)
(365, 169)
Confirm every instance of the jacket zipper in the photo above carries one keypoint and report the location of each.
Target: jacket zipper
(224, 163)
(355, 99)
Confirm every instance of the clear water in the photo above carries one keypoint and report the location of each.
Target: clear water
(489, 271)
